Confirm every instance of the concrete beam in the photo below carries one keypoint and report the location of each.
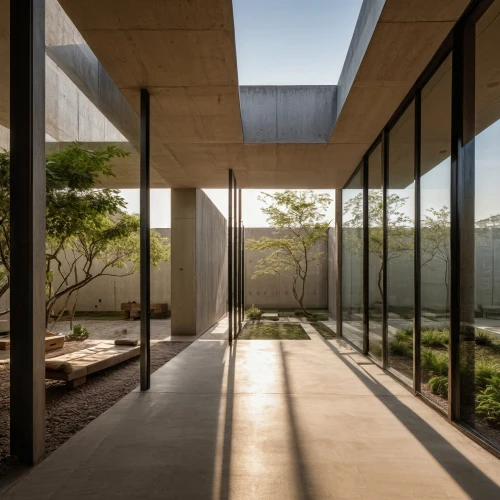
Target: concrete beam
(287, 114)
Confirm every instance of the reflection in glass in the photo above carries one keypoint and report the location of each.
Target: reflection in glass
(480, 303)
(400, 242)
(375, 253)
(352, 260)
(435, 234)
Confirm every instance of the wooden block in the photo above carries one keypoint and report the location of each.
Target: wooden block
(71, 384)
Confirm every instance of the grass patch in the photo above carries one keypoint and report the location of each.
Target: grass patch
(270, 331)
(323, 330)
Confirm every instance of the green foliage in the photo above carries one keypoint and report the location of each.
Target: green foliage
(88, 232)
(324, 331)
(317, 317)
(434, 363)
(375, 348)
(488, 402)
(398, 347)
(253, 313)
(483, 338)
(272, 331)
(435, 338)
(299, 313)
(299, 218)
(79, 333)
(485, 371)
(439, 385)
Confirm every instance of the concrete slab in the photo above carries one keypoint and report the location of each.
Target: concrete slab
(267, 419)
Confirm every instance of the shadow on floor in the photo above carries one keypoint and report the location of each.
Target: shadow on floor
(470, 478)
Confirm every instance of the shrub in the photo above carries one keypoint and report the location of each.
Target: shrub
(483, 338)
(435, 363)
(375, 348)
(435, 338)
(253, 313)
(400, 347)
(299, 313)
(485, 370)
(488, 402)
(439, 385)
(79, 333)
(405, 334)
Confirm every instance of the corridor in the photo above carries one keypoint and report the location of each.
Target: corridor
(267, 420)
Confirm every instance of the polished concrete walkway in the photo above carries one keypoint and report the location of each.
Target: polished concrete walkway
(267, 420)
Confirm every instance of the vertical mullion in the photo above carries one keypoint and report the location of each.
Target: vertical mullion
(385, 185)
(235, 257)
(366, 262)
(455, 214)
(27, 219)
(417, 378)
(240, 263)
(230, 258)
(243, 272)
(145, 244)
(338, 241)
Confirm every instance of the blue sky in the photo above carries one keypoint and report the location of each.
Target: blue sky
(293, 42)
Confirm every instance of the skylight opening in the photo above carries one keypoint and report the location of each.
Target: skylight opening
(293, 42)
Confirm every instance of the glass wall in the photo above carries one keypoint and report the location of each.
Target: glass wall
(480, 312)
(375, 252)
(400, 244)
(453, 199)
(352, 260)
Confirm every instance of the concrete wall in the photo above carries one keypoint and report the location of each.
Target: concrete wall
(332, 271)
(199, 262)
(275, 290)
(211, 263)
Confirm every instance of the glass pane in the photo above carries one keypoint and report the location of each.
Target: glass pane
(375, 252)
(400, 234)
(435, 234)
(352, 260)
(480, 311)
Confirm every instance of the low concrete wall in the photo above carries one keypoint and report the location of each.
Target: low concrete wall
(275, 290)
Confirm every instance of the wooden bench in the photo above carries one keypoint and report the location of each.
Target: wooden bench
(53, 341)
(90, 360)
(132, 311)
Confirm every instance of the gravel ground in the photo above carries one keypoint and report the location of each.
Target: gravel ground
(68, 411)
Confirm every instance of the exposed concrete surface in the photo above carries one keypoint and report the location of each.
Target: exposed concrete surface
(198, 262)
(211, 263)
(267, 420)
(287, 114)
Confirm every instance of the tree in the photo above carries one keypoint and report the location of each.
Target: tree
(106, 247)
(79, 218)
(299, 218)
(399, 227)
(435, 238)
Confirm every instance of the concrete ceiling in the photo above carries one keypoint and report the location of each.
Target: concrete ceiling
(184, 52)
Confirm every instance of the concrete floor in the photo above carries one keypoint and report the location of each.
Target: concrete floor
(287, 420)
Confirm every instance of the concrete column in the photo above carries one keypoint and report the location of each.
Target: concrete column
(183, 261)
